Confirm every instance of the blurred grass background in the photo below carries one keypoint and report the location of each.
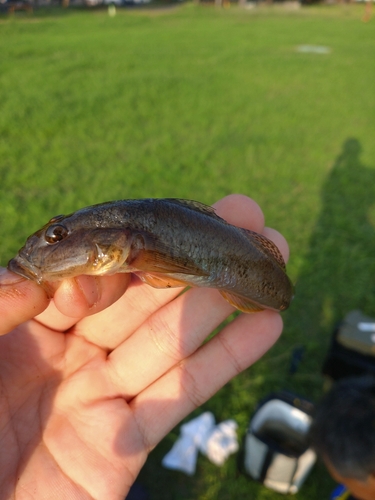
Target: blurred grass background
(196, 102)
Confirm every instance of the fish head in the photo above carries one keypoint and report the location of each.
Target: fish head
(66, 247)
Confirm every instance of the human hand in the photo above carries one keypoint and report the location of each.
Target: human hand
(93, 380)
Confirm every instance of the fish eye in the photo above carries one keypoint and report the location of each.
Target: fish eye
(55, 233)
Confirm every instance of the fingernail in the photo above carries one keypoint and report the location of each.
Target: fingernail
(9, 278)
(89, 286)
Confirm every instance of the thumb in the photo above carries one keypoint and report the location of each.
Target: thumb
(20, 300)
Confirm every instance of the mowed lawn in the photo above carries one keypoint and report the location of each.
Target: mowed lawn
(195, 102)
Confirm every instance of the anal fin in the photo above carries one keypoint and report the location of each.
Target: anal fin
(161, 280)
(242, 303)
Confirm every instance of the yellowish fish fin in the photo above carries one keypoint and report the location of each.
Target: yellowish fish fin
(242, 303)
(265, 245)
(151, 256)
(156, 262)
(161, 281)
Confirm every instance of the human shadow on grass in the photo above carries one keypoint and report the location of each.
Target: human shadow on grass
(339, 269)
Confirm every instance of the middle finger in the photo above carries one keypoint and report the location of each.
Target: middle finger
(169, 335)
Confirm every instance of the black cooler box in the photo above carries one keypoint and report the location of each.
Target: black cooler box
(352, 350)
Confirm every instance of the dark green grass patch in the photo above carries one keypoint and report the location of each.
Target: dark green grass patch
(199, 103)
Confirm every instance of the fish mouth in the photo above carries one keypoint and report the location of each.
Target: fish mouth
(24, 268)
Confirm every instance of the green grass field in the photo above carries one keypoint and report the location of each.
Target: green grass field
(198, 103)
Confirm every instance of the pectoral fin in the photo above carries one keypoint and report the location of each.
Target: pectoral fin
(151, 256)
(242, 303)
(160, 263)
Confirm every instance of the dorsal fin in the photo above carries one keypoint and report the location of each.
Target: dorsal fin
(265, 245)
(197, 206)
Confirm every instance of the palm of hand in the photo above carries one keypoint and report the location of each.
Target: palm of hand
(64, 431)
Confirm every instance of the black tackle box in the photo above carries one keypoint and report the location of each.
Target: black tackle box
(352, 349)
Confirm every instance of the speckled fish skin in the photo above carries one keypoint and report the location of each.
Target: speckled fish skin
(167, 243)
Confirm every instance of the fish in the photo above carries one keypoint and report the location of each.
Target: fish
(166, 242)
